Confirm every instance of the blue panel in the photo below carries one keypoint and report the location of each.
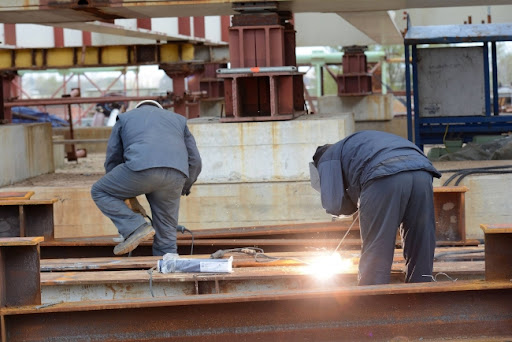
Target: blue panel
(486, 80)
(495, 80)
(408, 93)
(466, 119)
(417, 137)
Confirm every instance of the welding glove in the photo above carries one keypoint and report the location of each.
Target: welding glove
(185, 192)
(135, 206)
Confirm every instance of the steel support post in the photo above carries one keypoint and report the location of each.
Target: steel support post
(498, 251)
(20, 282)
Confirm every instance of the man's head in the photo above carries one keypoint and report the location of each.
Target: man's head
(320, 150)
(149, 103)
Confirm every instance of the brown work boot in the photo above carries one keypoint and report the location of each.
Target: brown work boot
(131, 242)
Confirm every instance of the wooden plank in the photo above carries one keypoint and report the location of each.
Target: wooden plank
(496, 228)
(20, 241)
(450, 189)
(9, 196)
(28, 202)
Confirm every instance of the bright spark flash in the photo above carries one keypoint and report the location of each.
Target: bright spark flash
(325, 266)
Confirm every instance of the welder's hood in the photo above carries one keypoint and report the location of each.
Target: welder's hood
(314, 177)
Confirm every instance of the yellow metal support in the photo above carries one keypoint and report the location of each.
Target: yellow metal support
(115, 55)
(88, 57)
(187, 52)
(124, 55)
(23, 58)
(169, 53)
(59, 58)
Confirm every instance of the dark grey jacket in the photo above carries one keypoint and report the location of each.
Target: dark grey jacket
(348, 165)
(149, 137)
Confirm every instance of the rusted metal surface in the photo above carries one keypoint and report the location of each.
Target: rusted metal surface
(355, 80)
(19, 272)
(125, 284)
(498, 251)
(79, 100)
(28, 217)
(443, 254)
(381, 312)
(450, 213)
(263, 96)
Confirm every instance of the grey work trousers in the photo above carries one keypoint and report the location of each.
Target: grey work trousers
(405, 198)
(162, 187)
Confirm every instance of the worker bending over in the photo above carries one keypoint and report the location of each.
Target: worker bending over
(150, 151)
(390, 179)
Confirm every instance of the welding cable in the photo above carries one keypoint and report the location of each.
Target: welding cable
(258, 253)
(348, 230)
(150, 271)
(182, 229)
(434, 278)
(480, 172)
(245, 250)
(462, 172)
(179, 228)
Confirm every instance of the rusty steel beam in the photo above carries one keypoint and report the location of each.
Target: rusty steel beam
(125, 284)
(498, 254)
(79, 100)
(461, 310)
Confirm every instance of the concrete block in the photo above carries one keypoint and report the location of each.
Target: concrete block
(27, 151)
(264, 151)
(486, 201)
(375, 107)
(59, 155)
(86, 133)
(209, 206)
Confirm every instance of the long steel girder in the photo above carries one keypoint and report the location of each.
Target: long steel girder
(476, 310)
(107, 56)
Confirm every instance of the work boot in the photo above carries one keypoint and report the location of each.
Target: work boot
(142, 233)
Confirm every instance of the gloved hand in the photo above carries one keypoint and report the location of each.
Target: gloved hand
(135, 206)
(185, 192)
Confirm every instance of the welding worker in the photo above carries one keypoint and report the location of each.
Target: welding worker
(150, 151)
(390, 180)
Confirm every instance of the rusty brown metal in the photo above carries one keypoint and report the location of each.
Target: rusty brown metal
(383, 312)
(498, 251)
(78, 100)
(355, 80)
(19, 272)
(262, 96)
(28, 217)
(450, 213)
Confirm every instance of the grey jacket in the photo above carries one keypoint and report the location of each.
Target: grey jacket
(149, 137)
(348, 165)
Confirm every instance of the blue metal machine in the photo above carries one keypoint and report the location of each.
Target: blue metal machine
(434, 115)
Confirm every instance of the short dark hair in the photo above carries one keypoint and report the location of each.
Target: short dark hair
(320, 150)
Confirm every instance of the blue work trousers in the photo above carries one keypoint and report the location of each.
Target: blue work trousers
(162, 187)
(402, 200)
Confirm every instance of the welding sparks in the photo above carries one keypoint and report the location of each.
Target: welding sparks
(325, 266)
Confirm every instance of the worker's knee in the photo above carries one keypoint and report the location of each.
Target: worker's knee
(95, 192)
